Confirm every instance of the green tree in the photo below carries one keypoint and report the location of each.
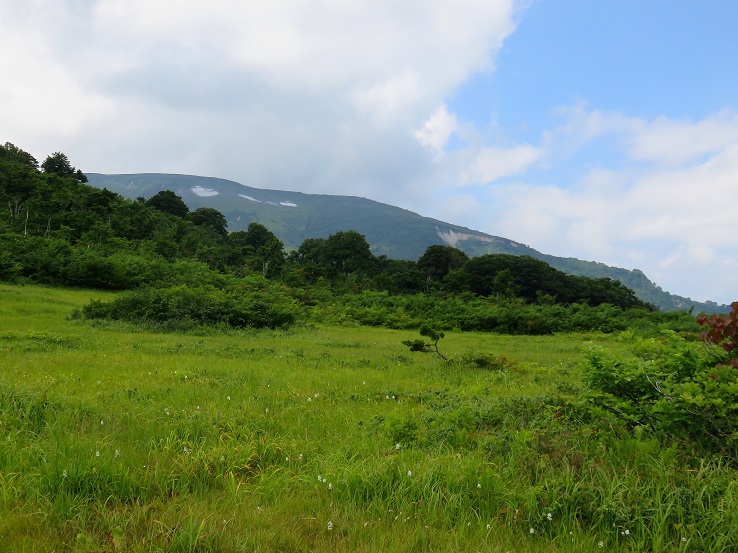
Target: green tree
(168, 202)
(258, 249)
(348, 252)
(438, 261)
(503, 285)
(11, 152)
(18, 182)
(210, 218)
(399, 276)
(58, 163)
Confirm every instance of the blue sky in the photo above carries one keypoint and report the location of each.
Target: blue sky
(602, 130)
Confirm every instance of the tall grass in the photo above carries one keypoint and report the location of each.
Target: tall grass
(325, 439)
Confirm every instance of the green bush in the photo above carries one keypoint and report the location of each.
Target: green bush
(184, 307)
(680, 389)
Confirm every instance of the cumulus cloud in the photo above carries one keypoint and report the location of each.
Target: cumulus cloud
(317, 95)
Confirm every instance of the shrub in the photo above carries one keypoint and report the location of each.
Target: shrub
(184, 306)
(680, 389)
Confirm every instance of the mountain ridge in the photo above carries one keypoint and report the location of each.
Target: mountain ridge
(391, 231)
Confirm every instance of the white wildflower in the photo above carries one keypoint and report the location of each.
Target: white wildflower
(330, 526)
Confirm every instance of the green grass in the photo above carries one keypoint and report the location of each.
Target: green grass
(324, 439)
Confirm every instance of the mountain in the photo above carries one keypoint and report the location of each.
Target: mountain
(391, 231)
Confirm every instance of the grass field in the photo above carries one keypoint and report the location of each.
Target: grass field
(324, 439)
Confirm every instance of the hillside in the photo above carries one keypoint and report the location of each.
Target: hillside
(391, 231)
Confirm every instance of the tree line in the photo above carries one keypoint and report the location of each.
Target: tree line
(58, 230)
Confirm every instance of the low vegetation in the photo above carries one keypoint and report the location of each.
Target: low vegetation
(339, 438)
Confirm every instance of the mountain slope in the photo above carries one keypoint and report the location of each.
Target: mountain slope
(391, 231)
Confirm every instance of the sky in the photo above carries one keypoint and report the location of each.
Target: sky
(605, 131)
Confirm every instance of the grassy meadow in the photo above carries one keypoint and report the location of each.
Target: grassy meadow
(325, 438)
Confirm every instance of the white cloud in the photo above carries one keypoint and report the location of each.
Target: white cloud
(385, 101)
(310, 95)
(673, 142)
(437, 129)
(492, 163)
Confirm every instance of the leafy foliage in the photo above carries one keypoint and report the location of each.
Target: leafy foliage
(682, 390)
(723, 331)
(168, 202)
(525, 277)
(58, 164)
(210, 218)
(438, 261)
(182, 307)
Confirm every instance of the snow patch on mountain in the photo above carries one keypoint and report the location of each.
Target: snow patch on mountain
(250, 198)
(204, 192)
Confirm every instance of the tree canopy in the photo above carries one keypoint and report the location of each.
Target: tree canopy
(168, 202)
(210, 218)
(58, 164)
